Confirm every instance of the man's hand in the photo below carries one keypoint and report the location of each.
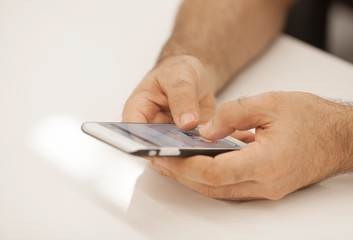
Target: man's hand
(204, 51)
(300, 139)
(177, 90)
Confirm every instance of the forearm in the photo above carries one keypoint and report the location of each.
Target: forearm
(345, 131)
(225, 34)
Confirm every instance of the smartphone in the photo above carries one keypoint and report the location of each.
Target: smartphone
(145, 139)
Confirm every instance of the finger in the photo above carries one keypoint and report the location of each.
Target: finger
(208, 107)
(244, 136)
(241, 114)
(225, 169)
(134, 109)
(144, 108)
(160, 169)
(241, 191)
(249, 190)
(183, 98)
(133, 116)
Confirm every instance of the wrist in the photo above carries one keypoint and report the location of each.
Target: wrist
(346, 137)
(350, 137)
(217, 74)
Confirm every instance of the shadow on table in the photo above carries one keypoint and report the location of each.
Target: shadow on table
(161, 206)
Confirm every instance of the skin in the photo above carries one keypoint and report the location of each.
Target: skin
(300, 139)
(207, 47)
(296, 144)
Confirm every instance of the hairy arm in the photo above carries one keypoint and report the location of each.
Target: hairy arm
(211, 41)
(225, 34)
(345, 137)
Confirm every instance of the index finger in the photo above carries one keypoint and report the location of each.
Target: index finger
(241, 114)
(146, 107)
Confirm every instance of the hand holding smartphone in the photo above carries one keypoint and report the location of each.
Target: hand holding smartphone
(145, 139)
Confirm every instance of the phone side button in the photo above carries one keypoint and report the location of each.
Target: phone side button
(152, 153)
(169, 152)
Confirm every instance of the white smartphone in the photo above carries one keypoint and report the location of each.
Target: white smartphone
(146, 139)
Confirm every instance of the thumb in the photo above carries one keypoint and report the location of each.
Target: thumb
(241, 114)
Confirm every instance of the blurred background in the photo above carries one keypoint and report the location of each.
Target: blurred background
(340, 38)
(326, 24)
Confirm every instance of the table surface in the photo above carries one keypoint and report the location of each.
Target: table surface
(66, 62)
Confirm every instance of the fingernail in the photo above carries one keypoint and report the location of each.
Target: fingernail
(206, 129)
(187, 118)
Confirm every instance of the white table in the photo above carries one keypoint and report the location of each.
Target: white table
(65, 62)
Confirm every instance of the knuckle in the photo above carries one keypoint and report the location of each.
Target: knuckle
(183, 65)
(167, 73)
(180, 70)
(188, 64)
(180, 83)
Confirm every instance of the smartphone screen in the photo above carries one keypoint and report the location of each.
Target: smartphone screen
(167, 135)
